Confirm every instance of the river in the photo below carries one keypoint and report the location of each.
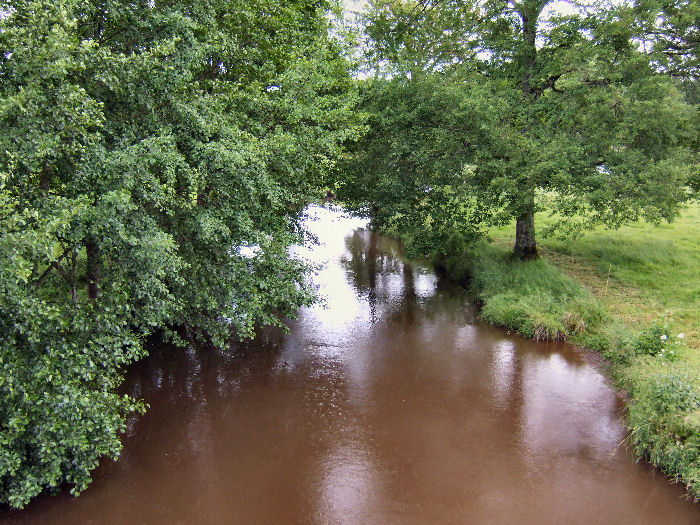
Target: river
(390, 403)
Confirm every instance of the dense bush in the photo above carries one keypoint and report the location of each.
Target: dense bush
(653, 341)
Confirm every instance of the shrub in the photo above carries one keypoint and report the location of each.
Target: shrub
(656, 341)
(663, 426)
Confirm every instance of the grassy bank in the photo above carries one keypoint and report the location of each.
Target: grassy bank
(641, 273)
(634, 295)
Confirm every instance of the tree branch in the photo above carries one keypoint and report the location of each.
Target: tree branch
(53, 265)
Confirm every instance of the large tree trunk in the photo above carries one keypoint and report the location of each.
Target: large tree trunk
(529, 51)
(525, 247)
(529, 10)
(93, 269)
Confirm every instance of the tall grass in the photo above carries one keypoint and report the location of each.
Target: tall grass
(641, 273)
(533, 298)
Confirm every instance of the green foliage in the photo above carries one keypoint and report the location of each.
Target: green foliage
(60, 362)
(663, 430)
(654, 340)
(144, 147)
(412, 37)
(673, 29)
(584, 117)
(404, 175)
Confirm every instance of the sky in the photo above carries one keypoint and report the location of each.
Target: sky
(354, 5)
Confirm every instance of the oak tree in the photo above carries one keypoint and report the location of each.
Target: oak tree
(521, 109)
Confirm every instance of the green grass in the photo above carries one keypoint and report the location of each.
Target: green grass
(627, 293)
(533, 298)
(641, 273)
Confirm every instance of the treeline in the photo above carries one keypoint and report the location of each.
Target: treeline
(481, 113)
(155, 160)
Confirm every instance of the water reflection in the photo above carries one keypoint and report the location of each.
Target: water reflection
(390, 404)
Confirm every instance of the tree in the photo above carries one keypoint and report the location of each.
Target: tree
(155, 161)
(670, 33)
(532, 111)
(671, 28)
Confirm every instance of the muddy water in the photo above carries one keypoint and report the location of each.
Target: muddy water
(391, 404)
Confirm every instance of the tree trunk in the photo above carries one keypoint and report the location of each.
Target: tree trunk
(529, 51)
(525, 247)
(44, 180)
(93, 269)
(529, 10)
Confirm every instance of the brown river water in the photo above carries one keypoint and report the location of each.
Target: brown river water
(389, 404)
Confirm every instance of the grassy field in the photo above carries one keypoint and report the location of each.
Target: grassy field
(640, 273)
(634, 295)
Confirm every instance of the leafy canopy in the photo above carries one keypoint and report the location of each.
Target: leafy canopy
(511, 109)
(155, 160)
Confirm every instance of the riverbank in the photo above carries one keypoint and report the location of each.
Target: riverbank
(632, 295)
(388, 403)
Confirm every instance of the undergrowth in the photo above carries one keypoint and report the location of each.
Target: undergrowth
(531, 297)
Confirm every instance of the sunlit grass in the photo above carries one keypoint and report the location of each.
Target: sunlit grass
(641, 273)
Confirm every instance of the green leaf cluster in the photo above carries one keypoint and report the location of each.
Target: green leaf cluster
(155, 162)
(527, 111)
